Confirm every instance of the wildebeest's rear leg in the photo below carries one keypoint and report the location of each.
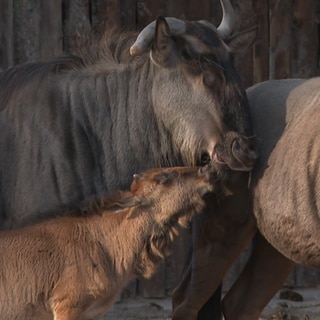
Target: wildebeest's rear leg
(262, 276)
(210, 310)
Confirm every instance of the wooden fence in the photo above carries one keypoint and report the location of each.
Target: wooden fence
(287, 46)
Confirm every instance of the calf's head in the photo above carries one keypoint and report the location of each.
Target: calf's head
(196, 91)
(173, 192)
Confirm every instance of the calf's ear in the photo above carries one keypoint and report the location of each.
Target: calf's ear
(165, 178)
(163, 53)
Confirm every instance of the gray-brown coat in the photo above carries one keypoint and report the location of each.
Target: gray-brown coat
(286, 191)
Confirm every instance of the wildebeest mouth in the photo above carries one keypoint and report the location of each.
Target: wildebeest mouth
(215, 158)
(218, 159)
(238, 155)
(220, 162)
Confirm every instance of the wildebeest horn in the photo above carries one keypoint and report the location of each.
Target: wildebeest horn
(227, 22)
(228, 18)
(147, 34)
(178, 26)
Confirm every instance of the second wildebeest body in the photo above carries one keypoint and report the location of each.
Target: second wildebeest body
(286, 191)
(72, 267)
(287, 197)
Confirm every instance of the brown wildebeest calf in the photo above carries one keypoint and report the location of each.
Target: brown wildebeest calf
(73, 267)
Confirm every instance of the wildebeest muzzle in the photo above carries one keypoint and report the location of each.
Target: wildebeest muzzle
(237, 152)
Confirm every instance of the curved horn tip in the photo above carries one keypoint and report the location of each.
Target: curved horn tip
(146, 36)
(228, 19)
(135, 50)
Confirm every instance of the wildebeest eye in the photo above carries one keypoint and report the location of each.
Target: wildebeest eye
(209, 79)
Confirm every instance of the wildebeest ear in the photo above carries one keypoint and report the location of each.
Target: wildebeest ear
(243, 40)
(163, 53)
(165, 178)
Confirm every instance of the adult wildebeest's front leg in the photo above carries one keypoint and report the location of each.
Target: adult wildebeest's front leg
(212, 308)
(218, 239)
(263, 275)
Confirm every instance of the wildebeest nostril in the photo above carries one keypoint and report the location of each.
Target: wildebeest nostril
(244, 151)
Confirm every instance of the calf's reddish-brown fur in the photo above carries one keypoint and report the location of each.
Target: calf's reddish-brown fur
(72, 267)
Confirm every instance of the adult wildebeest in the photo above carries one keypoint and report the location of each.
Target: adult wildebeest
(73, 267)
(82, 125)
(78, 126)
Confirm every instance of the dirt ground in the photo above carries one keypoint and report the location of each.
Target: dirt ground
(277, 309)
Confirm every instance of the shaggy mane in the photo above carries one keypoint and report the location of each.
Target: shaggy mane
(107, 44)
(108, 50)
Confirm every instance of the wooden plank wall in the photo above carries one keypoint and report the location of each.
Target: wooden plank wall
(287, 46)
